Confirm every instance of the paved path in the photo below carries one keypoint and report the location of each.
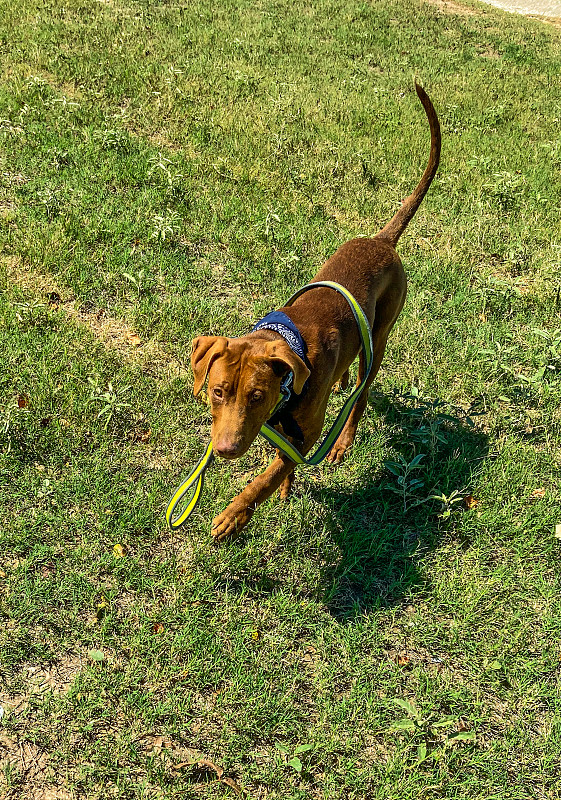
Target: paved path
(537, 8)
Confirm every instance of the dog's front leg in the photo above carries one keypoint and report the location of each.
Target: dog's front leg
(241, 509)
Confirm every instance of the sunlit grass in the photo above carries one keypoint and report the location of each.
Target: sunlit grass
(172, 170)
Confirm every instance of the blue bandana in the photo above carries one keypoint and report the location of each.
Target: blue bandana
(283, 325)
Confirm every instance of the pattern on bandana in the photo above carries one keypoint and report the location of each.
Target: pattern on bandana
(283, 325)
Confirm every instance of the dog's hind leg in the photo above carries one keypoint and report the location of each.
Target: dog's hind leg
(285, 488)
(347, 435)
(387, 312)
(342, 383)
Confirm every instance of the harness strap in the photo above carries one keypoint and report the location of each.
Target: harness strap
(277, 439)
(196, 478)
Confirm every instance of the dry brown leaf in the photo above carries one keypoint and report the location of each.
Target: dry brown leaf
(23, 401)
(119, 551)
(206, 762)
(471, 501)
(537, 493)
(233, 785)
(158, 627)
(156, 744)
(134, 339)
(192, 758)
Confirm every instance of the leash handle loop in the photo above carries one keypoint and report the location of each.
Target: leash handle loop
(196, 480)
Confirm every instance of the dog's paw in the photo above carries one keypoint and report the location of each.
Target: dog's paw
(337, 453)
(230, 522)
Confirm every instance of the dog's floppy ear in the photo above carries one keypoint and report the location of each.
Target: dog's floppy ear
(205, 350)
(281, 355)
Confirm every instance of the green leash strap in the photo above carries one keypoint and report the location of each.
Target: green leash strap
(196, 478)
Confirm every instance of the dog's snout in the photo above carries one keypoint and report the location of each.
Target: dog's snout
(226, 449)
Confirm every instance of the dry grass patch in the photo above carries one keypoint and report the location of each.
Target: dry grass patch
(25, 72)
(24, 760)
(451, 7)
(555, 21)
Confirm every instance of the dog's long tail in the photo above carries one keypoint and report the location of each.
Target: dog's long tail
(401, 219)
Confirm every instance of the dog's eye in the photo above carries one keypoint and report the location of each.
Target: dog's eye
(256, 397)
(217, 393)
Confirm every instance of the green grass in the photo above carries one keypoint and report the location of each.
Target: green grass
(184, 168)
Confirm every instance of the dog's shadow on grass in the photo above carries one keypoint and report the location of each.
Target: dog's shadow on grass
(402, 507)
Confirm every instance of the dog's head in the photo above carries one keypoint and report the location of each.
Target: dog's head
(244, 378)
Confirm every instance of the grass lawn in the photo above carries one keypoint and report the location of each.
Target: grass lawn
(169, 169)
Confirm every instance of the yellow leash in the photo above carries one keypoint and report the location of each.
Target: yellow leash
(196, 478)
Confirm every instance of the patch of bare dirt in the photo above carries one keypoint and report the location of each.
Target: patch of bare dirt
(23, 759)
(555, 21)
(7, 208)
(55, 678)
(489, 52)
(451, 7)
(42, 679)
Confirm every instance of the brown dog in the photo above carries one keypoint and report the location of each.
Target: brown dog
(244, 374)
